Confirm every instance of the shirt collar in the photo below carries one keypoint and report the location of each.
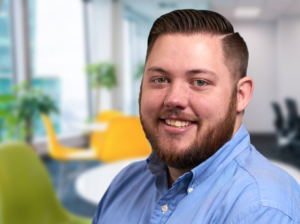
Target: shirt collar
(239, 142)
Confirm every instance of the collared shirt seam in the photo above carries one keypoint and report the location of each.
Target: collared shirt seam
(221, 167)
(277, 208)
(251, 176)
(260, 195)
(261, 206)
(247, 208)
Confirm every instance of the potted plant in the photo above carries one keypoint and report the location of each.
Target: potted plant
(101, 74)
(29, 103)
(8, 118)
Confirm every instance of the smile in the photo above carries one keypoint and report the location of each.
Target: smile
(178, 124)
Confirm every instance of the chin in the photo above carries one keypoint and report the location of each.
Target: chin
(174, 146)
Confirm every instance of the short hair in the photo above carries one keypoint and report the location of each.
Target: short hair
(190, 21)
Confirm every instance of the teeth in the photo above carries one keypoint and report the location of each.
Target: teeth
(177, 123)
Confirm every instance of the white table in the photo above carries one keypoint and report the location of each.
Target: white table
(92, 184)
(91, 127)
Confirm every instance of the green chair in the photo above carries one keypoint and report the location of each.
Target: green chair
(26, 191)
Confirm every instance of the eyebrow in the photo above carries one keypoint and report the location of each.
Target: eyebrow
(190, 72)
(200, 71)
(157, 69)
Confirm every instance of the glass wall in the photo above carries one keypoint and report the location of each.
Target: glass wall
(56, 42)
(6, 65)
(5, 41)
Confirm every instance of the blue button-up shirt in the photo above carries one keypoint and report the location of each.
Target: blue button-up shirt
(235, 185)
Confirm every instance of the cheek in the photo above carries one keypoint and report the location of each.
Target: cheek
(152, 100)
(161, 95)
(201, 105)
(206, 107)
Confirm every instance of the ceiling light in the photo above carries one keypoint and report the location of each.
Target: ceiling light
(246, 12)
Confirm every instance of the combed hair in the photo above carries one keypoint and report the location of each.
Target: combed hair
(190, 21)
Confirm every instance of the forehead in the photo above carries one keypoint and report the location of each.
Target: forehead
(180, 52)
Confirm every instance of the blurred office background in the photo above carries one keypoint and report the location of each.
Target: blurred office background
(50, 44)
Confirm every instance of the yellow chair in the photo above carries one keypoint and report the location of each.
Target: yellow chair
(124, 139)
(97, 137)
(26, 192)
(62, 153)
(65, 154)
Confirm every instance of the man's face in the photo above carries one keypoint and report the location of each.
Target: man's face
(188, 99)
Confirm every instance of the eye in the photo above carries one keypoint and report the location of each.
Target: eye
(200, 82)
(160, 80)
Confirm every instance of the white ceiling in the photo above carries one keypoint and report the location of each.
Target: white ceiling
(270, 9)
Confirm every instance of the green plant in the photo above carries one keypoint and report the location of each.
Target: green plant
(140, 67)
(101, 74)
(23, 107)
(8, 118)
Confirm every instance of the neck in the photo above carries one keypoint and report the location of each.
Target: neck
(174, 174)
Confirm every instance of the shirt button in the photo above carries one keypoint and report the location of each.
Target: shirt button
(190, 189)
(164, 208)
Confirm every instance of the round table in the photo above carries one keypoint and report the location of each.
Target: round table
(92, 184)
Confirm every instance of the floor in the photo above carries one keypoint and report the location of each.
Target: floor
(265, 144)
(68, 197)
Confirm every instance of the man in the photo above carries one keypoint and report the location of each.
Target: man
(203, 168)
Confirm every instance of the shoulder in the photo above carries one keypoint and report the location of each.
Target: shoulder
(259, 214)
(275, 188)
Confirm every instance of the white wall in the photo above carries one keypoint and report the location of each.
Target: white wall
(261, 42)
(274, 65)
(288, 45)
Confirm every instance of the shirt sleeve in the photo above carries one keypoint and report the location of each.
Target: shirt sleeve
(265, 215)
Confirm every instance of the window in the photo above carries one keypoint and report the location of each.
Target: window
(58, 59)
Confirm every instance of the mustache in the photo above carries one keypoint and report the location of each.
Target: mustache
(179, 114)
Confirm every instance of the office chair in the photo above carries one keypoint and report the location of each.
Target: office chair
(124, 139)
(279, 120)
(65, 154)
(293, 122)
(26, 192)
(281, 131)
(97, 137)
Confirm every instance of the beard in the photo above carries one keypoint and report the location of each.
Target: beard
(203, 147)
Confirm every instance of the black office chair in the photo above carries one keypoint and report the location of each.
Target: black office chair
(279, 120)
(281, 130)
(293, 122)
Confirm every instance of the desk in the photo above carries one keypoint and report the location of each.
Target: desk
(92, 184)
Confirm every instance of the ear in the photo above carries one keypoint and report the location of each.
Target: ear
(244, 93)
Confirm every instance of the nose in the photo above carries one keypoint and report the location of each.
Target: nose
(176, 97)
